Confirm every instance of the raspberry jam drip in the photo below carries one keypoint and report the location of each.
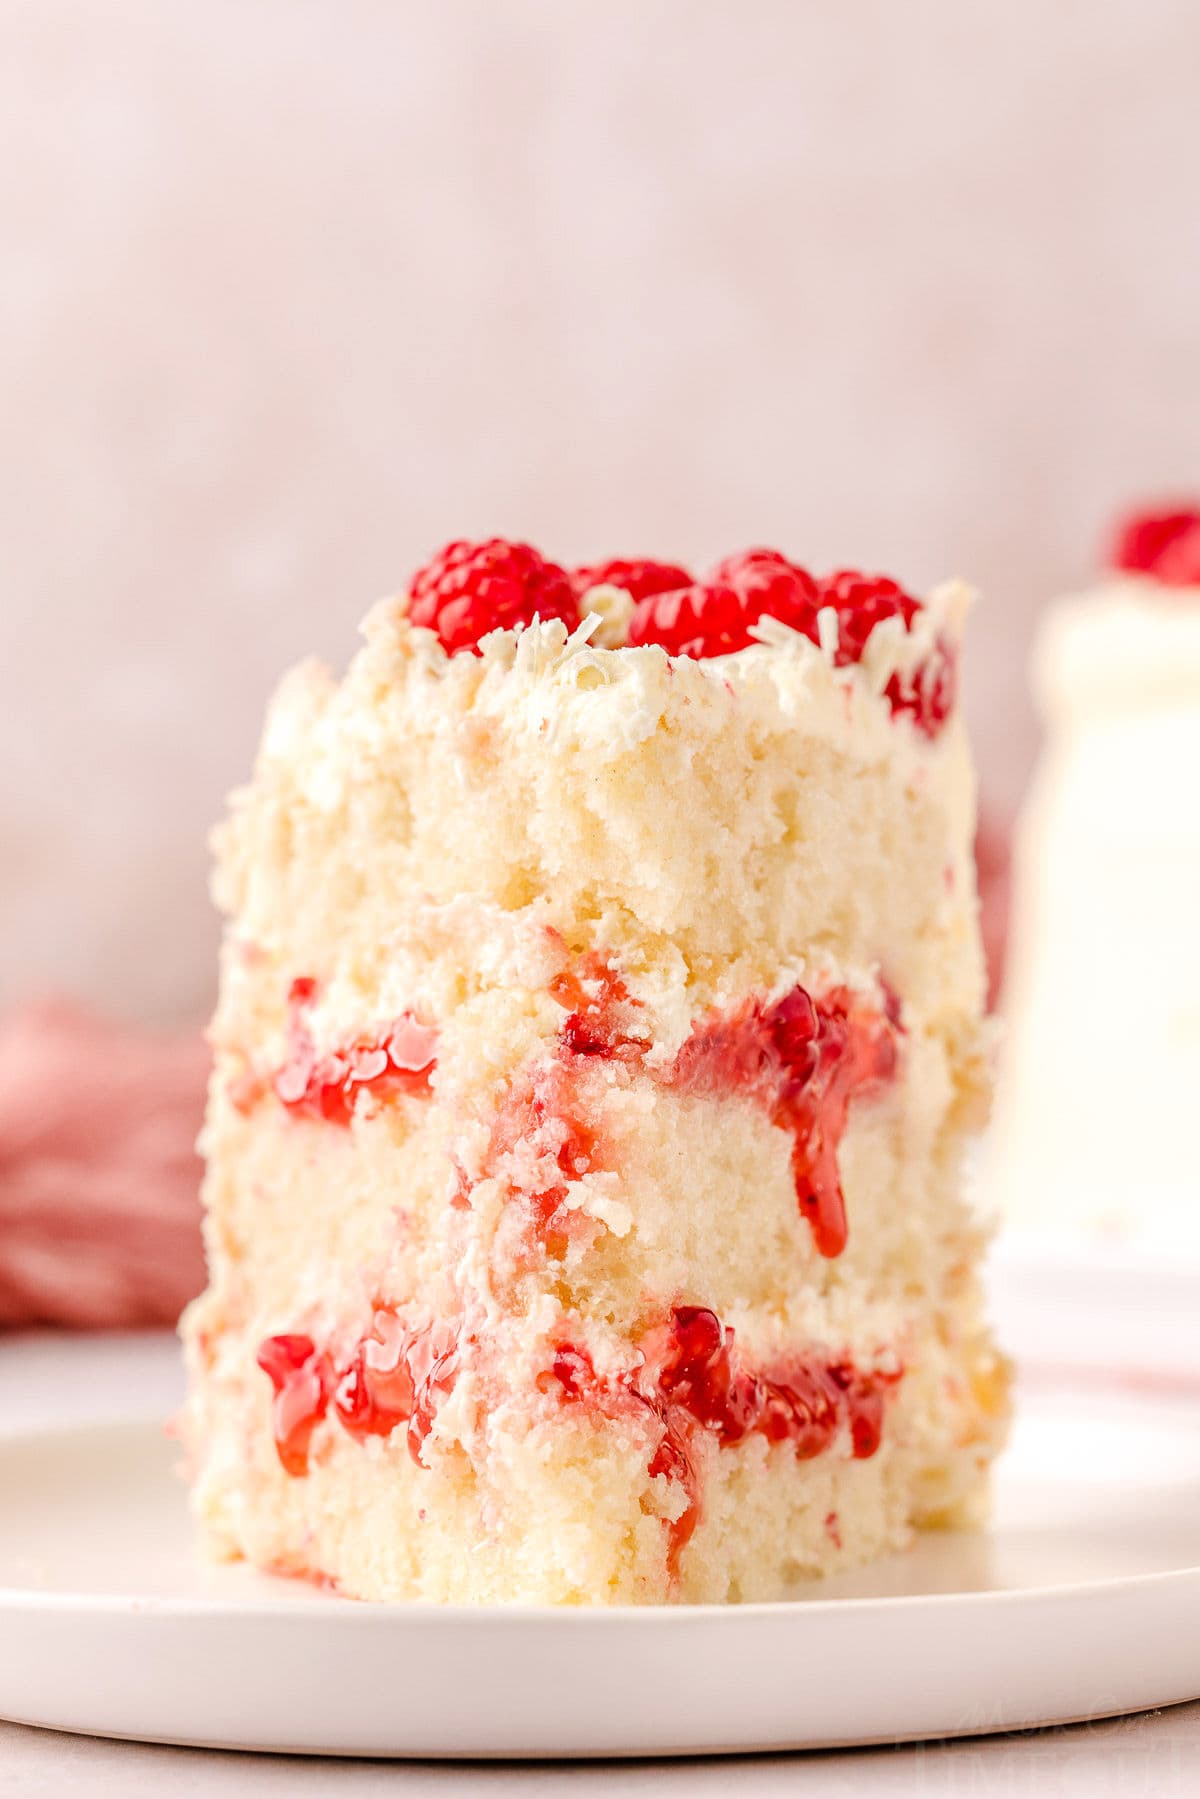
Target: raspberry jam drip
(303, 1381)
(693, 1379)
(803, 1060)
(398, 1060)
(377, 1391)
(1164, 543)
(394, 1376)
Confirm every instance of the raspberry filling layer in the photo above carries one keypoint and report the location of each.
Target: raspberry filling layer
(399, 1059)
(303, 1380)
(395, 1375)
(693, 1379)
(690, 1377)
(803, 1061)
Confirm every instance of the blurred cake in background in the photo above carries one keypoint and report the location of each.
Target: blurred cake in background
(1095, 1132)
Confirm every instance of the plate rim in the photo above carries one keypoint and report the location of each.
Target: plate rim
(375, 1613)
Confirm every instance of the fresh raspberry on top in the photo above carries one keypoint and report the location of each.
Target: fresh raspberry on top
(469, 589)
(862, 602)
(713, 617)
(639, 576)
(1164, 544)
(706, 619)
(773, 587)
(927, 692)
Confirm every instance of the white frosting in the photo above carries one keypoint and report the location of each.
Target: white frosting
(1130, 645)
(1095, 1123)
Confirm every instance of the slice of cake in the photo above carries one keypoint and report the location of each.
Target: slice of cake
(598, 1040)
(1094, 1125)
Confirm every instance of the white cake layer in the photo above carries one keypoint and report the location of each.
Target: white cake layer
(566, 1515)
(310, 1242)
(713, 825)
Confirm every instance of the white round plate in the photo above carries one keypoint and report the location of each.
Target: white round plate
(1081, 1601)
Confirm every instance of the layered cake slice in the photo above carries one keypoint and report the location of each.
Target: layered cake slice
(598, 1040)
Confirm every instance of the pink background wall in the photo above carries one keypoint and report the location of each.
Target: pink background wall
(293, 291)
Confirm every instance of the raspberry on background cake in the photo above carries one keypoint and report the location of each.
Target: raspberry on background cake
(1094, 1122)
(599, 1036)
(1163, 545)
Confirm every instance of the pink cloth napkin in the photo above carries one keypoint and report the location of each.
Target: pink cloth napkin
(99, 1179)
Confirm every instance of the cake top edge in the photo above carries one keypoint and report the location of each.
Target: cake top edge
(902, 673)
(891, 640)
(504, 605)
(858, 661)
(469, 590)
(1128, 641)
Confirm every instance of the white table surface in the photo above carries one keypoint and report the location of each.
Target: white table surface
(77, 1379)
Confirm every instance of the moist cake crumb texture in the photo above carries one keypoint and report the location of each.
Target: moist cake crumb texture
(599, 1036)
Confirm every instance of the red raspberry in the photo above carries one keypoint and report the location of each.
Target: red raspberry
(770, 585)
(862, 602)
(703, 620)
(469, 589)
(639, 577)
(1163, 544)
(928, 693)
(713, 618)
